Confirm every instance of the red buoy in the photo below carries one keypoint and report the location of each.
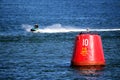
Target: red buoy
(88, 50)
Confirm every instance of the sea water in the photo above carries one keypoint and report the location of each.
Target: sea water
(46, 55)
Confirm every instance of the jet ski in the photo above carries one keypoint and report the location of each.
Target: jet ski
(35, 29)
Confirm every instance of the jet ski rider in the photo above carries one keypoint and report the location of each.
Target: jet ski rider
(36, 27)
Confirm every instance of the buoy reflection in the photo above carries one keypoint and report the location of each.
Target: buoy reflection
(90, 70)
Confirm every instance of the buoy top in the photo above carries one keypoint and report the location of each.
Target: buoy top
(91, 33)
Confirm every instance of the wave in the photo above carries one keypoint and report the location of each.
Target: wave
(58, 28)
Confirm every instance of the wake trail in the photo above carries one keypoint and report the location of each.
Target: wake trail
(58, 28)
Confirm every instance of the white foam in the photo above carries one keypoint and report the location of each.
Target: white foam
(118, 29)
(58, 28)
(27, 27)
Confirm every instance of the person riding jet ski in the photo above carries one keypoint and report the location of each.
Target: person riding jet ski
(36, 27)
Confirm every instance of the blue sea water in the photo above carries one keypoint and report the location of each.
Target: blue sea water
(46, 56)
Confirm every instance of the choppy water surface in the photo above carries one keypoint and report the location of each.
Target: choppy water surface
(47, 56)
